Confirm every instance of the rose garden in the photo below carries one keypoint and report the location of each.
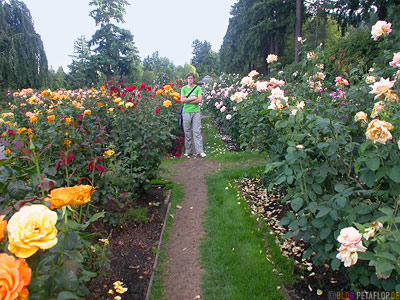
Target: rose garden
(328, 133)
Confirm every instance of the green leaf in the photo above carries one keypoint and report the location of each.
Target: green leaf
(328, 247)
(17, 189)
(335, 264)
(394, 174)
(384, 267)
(75, 256)
(296, 204)
(64, 295)
(386, 255)
(317, 188)
(5, 174)
(373, 163)
(323, 212)
(67, 279)
(325, 232)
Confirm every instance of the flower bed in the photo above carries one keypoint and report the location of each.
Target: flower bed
(67, 159)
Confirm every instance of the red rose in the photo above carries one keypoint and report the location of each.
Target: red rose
(157, 110)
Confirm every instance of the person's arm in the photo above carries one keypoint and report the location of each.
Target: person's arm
(193, 100)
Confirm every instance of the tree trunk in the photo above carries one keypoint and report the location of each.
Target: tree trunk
(299, 24)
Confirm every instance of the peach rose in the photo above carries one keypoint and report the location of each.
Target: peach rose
(379, 131)
(30, 229)
(15, 276)
(271, 58)
(351, 243)
(381, 27)
(75, 196)
(381, 87)
(360, 116)
(378, 108)
(51, 118)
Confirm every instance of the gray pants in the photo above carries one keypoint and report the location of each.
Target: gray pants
(192, 121)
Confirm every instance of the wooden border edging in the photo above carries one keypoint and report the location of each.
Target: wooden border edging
(169, 192)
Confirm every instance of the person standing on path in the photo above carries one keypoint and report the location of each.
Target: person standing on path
(191, 97)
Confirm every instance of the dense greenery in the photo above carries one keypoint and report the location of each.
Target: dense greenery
(23, 61)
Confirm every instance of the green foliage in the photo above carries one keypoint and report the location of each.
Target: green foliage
(333, 173)
(204, 59)
(23, 61)
(114, 50)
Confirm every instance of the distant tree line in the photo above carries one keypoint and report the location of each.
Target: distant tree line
(261, 27)
(110, 53)
(256, 28)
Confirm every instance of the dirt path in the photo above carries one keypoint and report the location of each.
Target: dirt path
(182, 278)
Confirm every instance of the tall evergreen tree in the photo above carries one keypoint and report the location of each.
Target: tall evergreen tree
(23, 61)
(114, 51)
(204, 59)
(82, 73)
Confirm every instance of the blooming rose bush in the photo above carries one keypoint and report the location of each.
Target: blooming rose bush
(333, 143)
(75, 147)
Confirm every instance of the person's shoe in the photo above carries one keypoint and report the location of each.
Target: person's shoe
(203, 154)
(186, 155)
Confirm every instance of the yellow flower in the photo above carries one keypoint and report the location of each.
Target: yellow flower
(379, 131)
(100, 104)
(51, 118)
(167, 87)
(109, 153)
(121, 103)
(33, 119)
(392, 96)
(117, 100)
(360, 116)
(110, 110)
(167, 103)
(87, 112)
(378, 108)
(129, 104)
(30, 229)
(21, 130)
(75, 196)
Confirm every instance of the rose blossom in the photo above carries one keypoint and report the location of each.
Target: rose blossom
(381, 87)
(228, 116)
(74, 196)
(271, 58)
(379, 131)
(395, 63)
(351, 242)
(360, 116)
(381, 27)
(378, 108)
(15, 276)
(30, 229)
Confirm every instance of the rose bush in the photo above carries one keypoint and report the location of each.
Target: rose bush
(337, 171)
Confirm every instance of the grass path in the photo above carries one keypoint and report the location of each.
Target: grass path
(216, 249)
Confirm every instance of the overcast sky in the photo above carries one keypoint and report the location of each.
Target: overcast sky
(169, 27)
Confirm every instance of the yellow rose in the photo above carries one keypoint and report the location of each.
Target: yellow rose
(75, 196)
(379, 131)
(110, 110)
(109, 153)
(21, 130)
(30, 229)
(117, 100)
(100, 104)
(129, 104)
(87, 112)
(167, 103)
(378, 108)
(360, 116)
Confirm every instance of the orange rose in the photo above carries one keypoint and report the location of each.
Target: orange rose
(3, 226)
(51, 118)
(67, 120)
(159, 92)
(87, 112)
(33, 119)
(75, 196)
(15, 276)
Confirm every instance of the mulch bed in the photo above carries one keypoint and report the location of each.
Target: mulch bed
(133, 247)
